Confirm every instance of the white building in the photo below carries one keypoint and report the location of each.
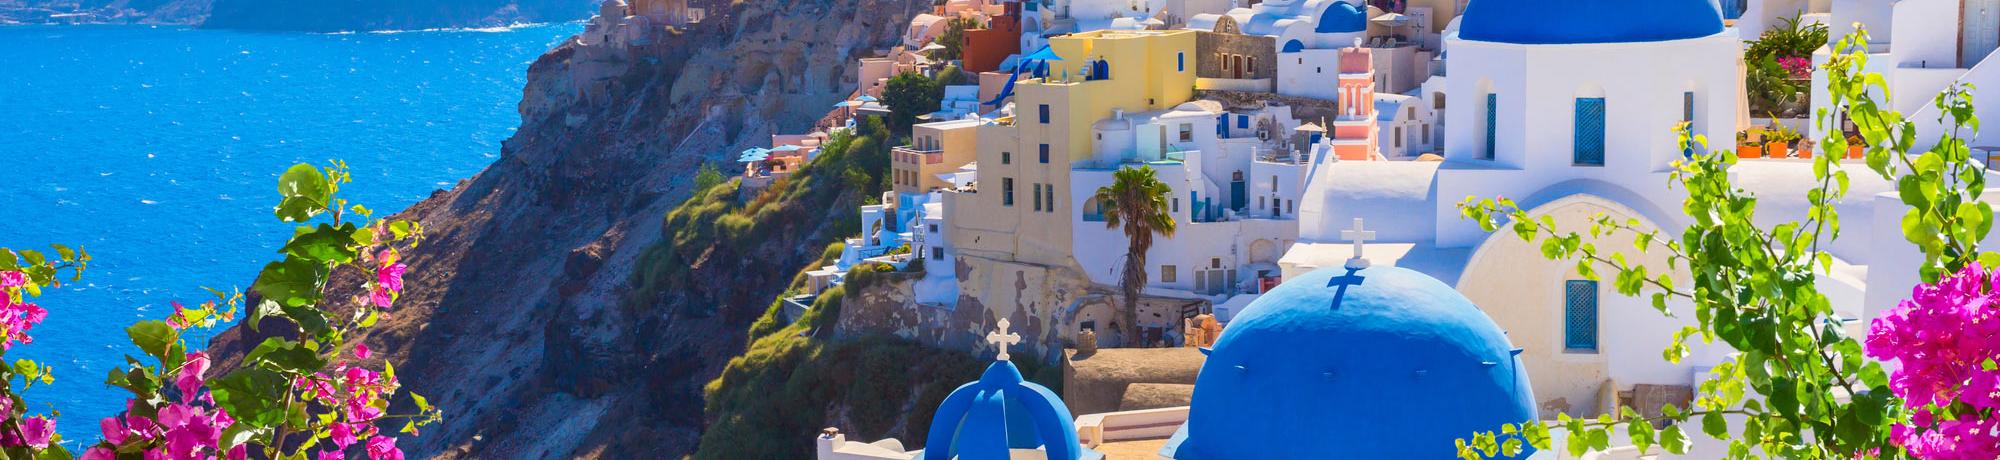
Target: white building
(1236, 178)
(1920, 47)
(1568, 121)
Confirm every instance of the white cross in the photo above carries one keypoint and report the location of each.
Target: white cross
(1358, 236)
(1003, 339)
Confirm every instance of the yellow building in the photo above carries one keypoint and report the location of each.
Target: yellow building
(935, 148)
(1021, 212)
(1012, 236)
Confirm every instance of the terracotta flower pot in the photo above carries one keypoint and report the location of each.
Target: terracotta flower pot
(1804, 153)
(1855, 151)
(1749, 151)
(1777, 150)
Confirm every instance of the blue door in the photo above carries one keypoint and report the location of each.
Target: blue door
(1238, 197)
(1590, 131)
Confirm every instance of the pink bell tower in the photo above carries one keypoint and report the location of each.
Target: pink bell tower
(1354, 131)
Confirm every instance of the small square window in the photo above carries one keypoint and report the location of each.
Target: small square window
(1045, 114)
(1045, 153)
(937, 253)
(1006, 158)
(1167, 274)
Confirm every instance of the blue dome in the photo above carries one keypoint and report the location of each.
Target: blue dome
(1540, 22)
(1381, 362)
(982, 420)
(1342, 17)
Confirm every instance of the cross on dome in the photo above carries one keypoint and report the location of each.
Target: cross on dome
(1003, 339)
(1358, 236)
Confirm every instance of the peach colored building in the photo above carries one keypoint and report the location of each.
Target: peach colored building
(1353, 133)
(935, 149)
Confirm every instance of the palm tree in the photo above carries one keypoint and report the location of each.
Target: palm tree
(1136, 200)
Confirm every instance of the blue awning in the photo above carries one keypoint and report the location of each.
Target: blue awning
(787, 148)
(1045, 54)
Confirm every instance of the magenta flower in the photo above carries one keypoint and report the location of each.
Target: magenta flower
(10, 279)
(361, 351)
(1941, 337)
(238, 453)
(114, 431)
(190, 379)
(331, 455)
(383, 448)
(99, 453)
(37, 430)
(388, 279)
(342, 436)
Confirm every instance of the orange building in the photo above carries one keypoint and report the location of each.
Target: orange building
(984, 49)
(1353, 132)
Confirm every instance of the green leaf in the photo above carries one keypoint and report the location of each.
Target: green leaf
(153, 337)
(1713, 424)
(325, 244)
(251, 395)
(285, 355)
(1673, 440)
(305, 193)
(292, 283)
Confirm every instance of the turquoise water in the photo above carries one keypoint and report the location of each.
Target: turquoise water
(158, 149)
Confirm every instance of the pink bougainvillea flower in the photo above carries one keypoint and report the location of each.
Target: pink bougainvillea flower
(114, 430)
(238, 453)
(361, 351)
(341, 435)
(36, 431)
(331, 455)
(174, 320)
(1940, 339)
(10, 279)
(388, 279)
(100, 453)
(383, 448)
(190, 378)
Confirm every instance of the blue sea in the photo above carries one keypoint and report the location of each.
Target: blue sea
(158, 150)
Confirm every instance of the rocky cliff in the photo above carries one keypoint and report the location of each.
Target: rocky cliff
(521, 318)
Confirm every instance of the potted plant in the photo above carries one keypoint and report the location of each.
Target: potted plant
(1778, 141)
(1747, 146)
(1854, 147)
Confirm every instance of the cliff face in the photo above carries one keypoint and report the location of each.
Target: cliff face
(519, 316)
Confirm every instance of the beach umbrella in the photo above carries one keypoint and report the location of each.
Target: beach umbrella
(786, 148)
(866, 98)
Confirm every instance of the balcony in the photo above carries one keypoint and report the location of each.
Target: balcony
(912, 155)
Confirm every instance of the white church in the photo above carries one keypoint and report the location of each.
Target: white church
(1572, 122)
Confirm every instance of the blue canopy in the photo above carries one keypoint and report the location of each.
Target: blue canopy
(787, 148)
(1045, 54)
(867, 98)
(754, 154)
(842, 104)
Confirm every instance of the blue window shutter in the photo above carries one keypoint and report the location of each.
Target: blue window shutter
(1590, 131)
(1045, 114)
(1243, 122)
(1180, 62)
(1580, 315)
(1492, 116)
(1045, 153)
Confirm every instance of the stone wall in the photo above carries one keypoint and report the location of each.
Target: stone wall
(1045, 305)
(1212, 48)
